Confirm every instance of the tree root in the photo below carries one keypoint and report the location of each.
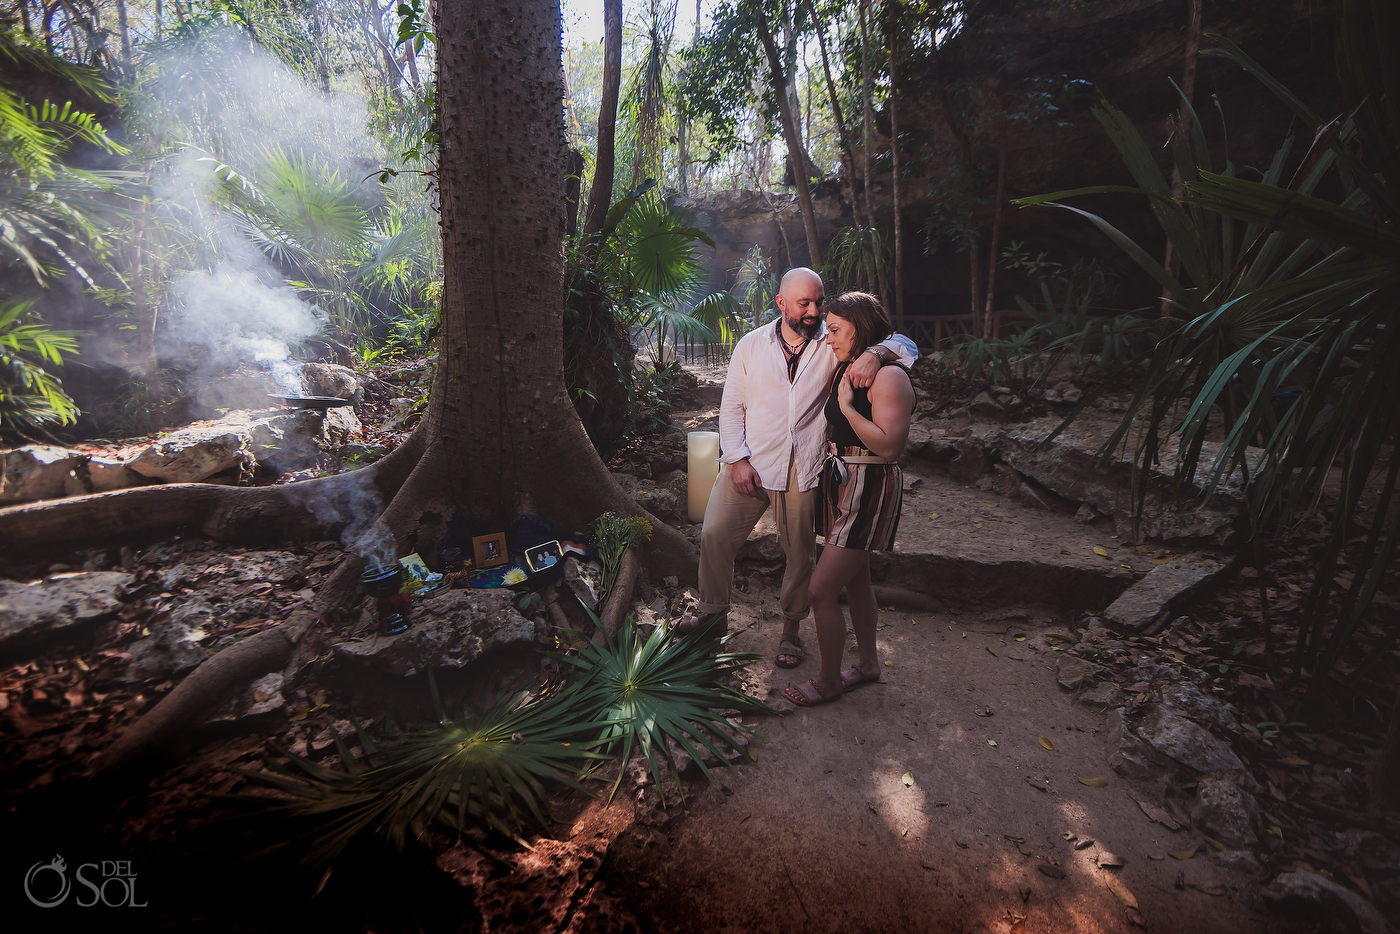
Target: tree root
(620, 598)
(204, 689)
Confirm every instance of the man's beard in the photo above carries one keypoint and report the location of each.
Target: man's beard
(807, 331)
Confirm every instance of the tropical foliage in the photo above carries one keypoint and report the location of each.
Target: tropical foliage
(497, 768)
(1282, 317)
(29, 393)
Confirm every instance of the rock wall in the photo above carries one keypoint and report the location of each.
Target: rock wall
(1129, 52)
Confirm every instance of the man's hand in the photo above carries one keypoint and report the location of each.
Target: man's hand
(862, 370)
(745, 478)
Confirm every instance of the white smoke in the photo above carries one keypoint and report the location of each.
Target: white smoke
(356, 506)
(234, 105)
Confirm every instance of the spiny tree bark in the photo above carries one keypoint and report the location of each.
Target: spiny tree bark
(499, 435)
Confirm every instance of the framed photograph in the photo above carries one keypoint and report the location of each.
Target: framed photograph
(490, 550)
(542, 556)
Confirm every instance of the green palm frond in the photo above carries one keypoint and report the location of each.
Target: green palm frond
(656, 689)
(29, 393)
(492, 768)
(661, 253)
(1285, 323)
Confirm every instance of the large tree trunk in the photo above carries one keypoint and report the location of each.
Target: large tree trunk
(600, 194)
(499, 435)
(796, 153)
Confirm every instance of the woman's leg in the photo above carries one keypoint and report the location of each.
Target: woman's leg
(865, 614)
(835, 569)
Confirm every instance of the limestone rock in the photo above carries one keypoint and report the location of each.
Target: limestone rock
(1070, 467)
(655, 498)
(1163, 588)
(970, 463)
(106, 475)
(1187, 743)
(284, 440)
(450, 629)
(1103, 695)
(195, 453)
(63, 604)
(172, 646)
(1328, 899)
(984, 404)
(1224, 811)
(1073, 672)
(38, 471)
(331, 379)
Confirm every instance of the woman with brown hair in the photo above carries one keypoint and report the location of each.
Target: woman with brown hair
(859, 496)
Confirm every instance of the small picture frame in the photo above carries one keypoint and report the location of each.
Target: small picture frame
(489, 551)
(542, 556)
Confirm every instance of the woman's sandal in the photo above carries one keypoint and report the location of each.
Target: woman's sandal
(853, 678)
(790, 653)
(807, 695)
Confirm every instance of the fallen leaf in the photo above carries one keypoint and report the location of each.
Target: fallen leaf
(1215, 845)
(1084, 844)
(1098, 781)
(990, 651)
(1071, 835)
(1116, 886)
(1214, 888)
(932, 515)
(1101, 551)
(1135, 918)
(888, 663)
(1156, 814)
(1021, 638)
(1108, 860)
(1046, 743)
(991, 742)
(1184, 854)
(1051, 870)
(908, 779)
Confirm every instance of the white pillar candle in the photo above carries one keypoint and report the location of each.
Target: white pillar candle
(702, 464)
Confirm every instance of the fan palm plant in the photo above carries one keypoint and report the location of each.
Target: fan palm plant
(653, 689)
(497, 768)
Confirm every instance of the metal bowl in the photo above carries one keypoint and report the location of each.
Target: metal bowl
(311, 402)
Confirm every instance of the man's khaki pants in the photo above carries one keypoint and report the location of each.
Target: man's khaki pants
(731, 516)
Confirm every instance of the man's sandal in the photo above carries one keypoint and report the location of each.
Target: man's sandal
(714, 627)
(790, 653)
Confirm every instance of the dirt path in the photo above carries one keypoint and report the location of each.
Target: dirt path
(891, 809)
(948, 797)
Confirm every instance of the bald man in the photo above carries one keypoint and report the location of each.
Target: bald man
(772, 442)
